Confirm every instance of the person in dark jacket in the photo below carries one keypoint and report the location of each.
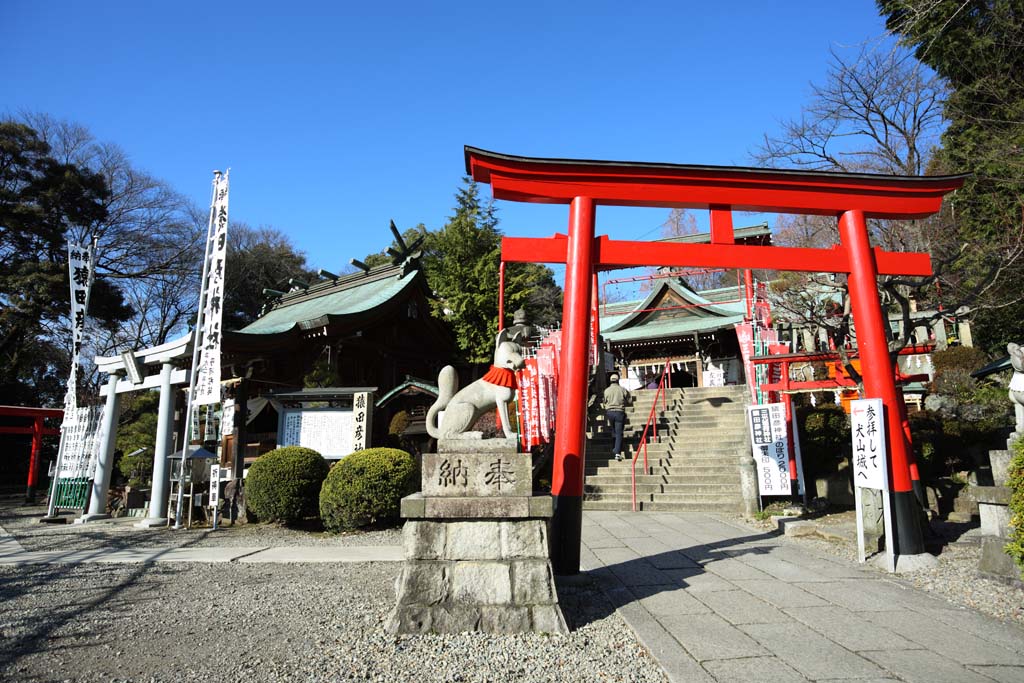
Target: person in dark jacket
(615, 400)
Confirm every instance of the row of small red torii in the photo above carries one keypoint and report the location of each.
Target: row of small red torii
(584, 185)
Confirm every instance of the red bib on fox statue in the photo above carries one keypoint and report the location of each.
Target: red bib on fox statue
(502, 377)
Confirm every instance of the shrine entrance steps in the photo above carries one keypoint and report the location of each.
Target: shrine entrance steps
(693, 465)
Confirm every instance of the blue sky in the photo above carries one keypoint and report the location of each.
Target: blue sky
(336, 117)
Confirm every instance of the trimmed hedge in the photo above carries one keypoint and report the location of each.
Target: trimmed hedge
(282, 485)
(1015, 482)
(367, 487)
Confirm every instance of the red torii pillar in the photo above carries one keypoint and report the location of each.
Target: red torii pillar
(37, 431)
(584, 185)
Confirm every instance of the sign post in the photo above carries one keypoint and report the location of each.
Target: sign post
(215, 492)
(870, 469)
(769, 440)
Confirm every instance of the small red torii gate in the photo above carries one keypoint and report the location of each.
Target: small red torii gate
(37, 431)
(584, 185)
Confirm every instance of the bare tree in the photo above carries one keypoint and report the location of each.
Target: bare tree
(149, 245)
(882, 113)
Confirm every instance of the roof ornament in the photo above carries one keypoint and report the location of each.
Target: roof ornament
(405, 255)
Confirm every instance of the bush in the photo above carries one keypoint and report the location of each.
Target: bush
(1015, 482)
(366, 487)
(282, 485)
(954, 358)
(824, 439)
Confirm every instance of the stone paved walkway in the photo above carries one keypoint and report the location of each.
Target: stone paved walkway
(713, 601)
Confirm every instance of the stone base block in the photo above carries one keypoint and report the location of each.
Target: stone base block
(489, 575)
(995, 563)
(419, 506)
(150, 522)
(85, 519)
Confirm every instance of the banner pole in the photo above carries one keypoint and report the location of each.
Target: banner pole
(196, 332)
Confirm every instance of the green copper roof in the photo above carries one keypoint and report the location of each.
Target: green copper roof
(673, 328)
(348, 296)
(629, 322)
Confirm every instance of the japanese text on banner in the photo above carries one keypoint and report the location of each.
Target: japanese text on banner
(867, 428)
(208, 375)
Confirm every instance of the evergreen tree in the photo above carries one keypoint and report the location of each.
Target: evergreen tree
(462, 269)
(977, 46)
(41, 201)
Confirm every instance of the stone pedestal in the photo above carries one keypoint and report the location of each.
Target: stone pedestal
(994, 510)
(476, 545)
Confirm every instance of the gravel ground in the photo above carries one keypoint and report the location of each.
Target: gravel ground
(23, 523)
(955, 578)
(285, 622)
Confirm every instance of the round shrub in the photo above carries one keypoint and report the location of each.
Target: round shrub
(282, 485)
(366, 487)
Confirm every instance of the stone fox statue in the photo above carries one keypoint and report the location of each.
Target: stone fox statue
(1017, 383)
(494, 389)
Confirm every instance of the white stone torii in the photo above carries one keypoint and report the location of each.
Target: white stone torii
(163, 355)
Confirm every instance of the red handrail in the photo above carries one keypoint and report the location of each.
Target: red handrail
(650, 423)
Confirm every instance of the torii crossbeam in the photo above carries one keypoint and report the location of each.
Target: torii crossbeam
(585, 185)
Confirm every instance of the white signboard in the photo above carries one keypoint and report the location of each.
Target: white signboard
(770, 445)
(81, 428)
(214, 485)
(868, 430)
(208, 376)
(331, 432)
(328, 431)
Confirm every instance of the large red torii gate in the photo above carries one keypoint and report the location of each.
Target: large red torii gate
(584, 185)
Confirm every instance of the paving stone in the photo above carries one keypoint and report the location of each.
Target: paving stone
(709, 636)
(732, 569)
(856, 595)
(810, 653)
(752, 670)
(923, 666)
(604, 541)
(672, 559)
(783, 570)
(677, 664)
(981, 625)
(701, 553)
(668, 600)
(850, 630)
(949, 641)
(698, 580)
(780, 593)
(1002, 674)
(740, 607)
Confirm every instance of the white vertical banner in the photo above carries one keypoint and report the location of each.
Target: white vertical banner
(770, 443)
(81, 273)
(208, 374)
(214, 485)
(361, 417)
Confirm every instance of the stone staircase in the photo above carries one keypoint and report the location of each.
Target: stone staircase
(693, 465)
